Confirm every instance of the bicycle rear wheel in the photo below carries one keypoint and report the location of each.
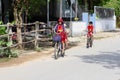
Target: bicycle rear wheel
(62, 53)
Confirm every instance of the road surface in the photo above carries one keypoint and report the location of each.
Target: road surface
(102, 62)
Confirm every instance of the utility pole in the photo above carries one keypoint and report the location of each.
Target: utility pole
(71, 19)
(71, 11)
(60, 8)
(76, 3)
(48, 12)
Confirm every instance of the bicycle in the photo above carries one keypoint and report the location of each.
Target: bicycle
(58, 47)
(57, 50)
(89, 41)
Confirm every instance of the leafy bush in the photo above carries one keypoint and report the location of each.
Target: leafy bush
(38, 49)
(7, 52)
(2, 29)
(118, 24)
(5, 43)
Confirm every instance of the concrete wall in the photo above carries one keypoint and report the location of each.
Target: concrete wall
(78, 28)
(105, 25)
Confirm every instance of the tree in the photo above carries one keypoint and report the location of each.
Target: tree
(19, 5)
(89, 4)
(31, 8)
(114, 4)
(37, 8)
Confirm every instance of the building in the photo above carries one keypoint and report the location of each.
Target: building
(64, 8)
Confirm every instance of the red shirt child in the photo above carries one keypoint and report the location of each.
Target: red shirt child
(61, 30)
(90, 29)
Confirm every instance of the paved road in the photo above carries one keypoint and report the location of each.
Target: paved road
(102, 62)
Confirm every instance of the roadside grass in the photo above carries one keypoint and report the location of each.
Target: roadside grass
(98, 38)
(101, 37)
(2, 60)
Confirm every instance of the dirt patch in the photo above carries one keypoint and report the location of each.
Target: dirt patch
(25, 57)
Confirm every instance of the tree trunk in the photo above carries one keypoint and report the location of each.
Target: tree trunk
(18, 22)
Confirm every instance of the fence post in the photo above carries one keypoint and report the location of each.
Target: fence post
(19, 35)
(9, 28)
(36, 33)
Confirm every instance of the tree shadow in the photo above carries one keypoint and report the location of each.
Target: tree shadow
(109, 60)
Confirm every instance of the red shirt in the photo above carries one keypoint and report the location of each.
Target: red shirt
(90, 30)
(63, 34)
(59, 29)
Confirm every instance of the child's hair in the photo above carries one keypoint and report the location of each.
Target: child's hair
(90, 22)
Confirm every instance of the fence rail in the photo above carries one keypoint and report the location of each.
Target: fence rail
(35, 35)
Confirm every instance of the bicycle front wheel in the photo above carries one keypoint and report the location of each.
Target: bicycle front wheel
(91, 41)
(56, 51)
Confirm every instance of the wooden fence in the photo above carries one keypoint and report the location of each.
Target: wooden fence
(30, 33)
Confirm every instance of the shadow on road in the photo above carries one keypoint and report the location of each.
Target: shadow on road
(108, 60)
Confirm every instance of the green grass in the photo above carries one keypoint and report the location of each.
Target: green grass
(97, 38)
(4, 60)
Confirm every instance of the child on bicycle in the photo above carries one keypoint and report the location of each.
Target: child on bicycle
(90, 29)
(61, 31)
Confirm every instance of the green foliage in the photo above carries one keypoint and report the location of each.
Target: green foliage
(14, 53)
(4, 60)
(114, 4)
(3, 43)
(1, 22)
(32, 7)
(91, 3)
(13, 22)
(106, 3)
(7, 52)
(118, 24)
(2, 29)
(38, 49)
(37, 8)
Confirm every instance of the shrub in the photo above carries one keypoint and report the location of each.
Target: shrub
(118, 24)
(38, 49)
(7, 52)
(2, 29)
(5, 43)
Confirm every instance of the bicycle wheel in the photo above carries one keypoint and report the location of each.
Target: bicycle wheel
(88, 42)
(56, 50)
(62, 51)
